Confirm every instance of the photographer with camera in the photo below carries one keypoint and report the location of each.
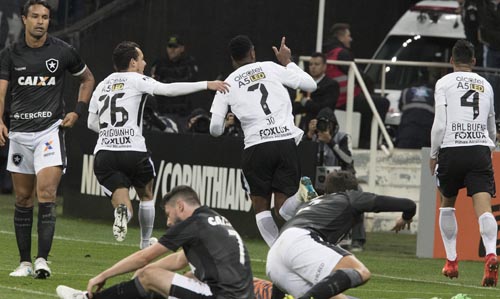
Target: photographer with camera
(334, 146)
(198, 121)
(334, 153)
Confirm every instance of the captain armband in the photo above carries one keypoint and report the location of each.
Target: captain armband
(80, 108)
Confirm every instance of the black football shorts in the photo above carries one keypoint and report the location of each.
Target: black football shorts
(123, 169)
(272, 167)
(465, 166)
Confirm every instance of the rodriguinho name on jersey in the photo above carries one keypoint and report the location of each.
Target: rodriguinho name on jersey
(217, 187)
(250, 76)
(36, 81)
(116, 136)
(467, 83)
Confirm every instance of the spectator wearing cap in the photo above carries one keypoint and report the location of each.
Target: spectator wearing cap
(177, 66)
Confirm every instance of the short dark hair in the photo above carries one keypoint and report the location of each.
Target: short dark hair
(122, 54)
(29, 3)
(340, 181)
(187, 194)
(339, 28)
(463, 52)
(239, 47)
(319, 54)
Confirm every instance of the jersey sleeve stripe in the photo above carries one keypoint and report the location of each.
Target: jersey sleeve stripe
(80, 72)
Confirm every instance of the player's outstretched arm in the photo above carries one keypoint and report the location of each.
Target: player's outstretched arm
(183, 88)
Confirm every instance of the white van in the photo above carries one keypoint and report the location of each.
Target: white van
(426, 32)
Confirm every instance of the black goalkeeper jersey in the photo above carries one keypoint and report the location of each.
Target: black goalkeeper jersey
(36, 78)
(332, 215)
(215, 252)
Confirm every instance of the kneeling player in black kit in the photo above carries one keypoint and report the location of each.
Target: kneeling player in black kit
(213, 249)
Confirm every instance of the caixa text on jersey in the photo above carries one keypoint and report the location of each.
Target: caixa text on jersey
(36, 81)
(32, 115)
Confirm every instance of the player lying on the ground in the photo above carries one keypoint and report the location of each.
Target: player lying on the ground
(305, 262)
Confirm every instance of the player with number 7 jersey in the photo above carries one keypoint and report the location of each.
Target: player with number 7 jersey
(258, 98)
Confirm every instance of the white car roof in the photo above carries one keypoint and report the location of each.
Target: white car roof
(448, 25)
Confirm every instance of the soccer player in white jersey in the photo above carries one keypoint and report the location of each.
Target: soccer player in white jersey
(260, 101)
(121, 157)
(462, 138)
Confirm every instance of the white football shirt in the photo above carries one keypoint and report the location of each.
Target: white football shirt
(467, 99)
(119, 102)
(260, 101)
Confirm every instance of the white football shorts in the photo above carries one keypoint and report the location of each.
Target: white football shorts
(298, 260)
(29, 152)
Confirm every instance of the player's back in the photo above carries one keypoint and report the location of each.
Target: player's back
(262, 104)
(468, 99)
(119, 101)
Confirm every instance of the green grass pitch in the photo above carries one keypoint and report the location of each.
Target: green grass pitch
(82, 248)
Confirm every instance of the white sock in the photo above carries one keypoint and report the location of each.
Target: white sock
(488, 228)
(449, 230)
(267, 227)
(146, 220)
(290, 207)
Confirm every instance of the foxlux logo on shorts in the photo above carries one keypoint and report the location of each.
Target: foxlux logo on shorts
(273, 131)
(32, 115)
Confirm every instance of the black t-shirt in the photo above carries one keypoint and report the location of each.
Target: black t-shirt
(36, 77)
(332, 215)
(215, 252)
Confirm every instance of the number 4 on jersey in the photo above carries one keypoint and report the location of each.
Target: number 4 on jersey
(474, 104)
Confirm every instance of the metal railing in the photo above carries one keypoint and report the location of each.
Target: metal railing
(377, 122)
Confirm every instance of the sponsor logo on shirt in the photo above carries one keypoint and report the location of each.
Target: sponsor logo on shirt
(272, 132)
(36, 81)
(250, 76)
(19, 68)
(52, 64)
(470, 83)
(468, 132)
(218, 220)
(32, 115)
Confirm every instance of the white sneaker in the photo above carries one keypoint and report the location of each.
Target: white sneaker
(306, 189)
(147, 243)
(120, 225)
(65, 292)
(24, 269)
(42, 270)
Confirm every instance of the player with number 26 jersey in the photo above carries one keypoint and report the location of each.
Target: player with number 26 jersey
(119, 100)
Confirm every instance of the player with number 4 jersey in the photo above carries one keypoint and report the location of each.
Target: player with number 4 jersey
(262, 104)
(121, 157)
(463, 136)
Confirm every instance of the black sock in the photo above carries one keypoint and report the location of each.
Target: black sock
(131, 289)
(46, 227)
(334, 284)
(23, 222)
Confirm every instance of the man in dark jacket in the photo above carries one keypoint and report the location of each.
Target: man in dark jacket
(489, 20)
(325, 95)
